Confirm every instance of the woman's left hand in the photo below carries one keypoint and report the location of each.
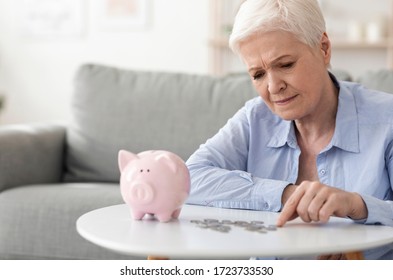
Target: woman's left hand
(316, 202)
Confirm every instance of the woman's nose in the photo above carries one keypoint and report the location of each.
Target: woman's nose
(275, 84)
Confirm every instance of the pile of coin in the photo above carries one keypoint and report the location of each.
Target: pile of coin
(226, 225)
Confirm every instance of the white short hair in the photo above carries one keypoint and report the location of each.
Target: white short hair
(302, 18)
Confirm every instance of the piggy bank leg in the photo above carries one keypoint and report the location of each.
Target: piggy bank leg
(164, 217)
(137, 215)
(176, 213)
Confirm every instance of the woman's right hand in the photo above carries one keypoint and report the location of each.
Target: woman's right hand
(313, 201)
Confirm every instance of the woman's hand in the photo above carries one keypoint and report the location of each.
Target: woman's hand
(316, 202)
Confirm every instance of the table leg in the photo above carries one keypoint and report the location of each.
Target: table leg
(156, 258)
(354, 255)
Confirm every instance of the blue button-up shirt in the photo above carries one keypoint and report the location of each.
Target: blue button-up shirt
(250, 161)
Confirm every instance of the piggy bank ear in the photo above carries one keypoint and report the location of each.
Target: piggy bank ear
(166, 159)
(124, 158)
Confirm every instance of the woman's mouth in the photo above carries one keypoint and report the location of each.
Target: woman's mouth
(285, 101)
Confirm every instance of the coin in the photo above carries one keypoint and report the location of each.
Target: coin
(203, 226)
(254, 227)
(271, 227)
(241, 223)
(227, 222)
(221, 228)
(214, 224)
(211, 220)
(257, 222)
(224, 226)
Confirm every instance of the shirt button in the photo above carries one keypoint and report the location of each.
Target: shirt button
(322, 172)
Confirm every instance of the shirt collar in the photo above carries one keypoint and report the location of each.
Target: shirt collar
(346, 132)
(283, 132)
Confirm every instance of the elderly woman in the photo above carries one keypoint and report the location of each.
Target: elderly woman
(310, 146)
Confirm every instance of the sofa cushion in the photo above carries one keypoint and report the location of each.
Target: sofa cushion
(117, 109)
(380, 80)
(41, 220)
(31, 154)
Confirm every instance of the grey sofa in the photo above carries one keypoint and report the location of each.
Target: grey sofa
(50, 173)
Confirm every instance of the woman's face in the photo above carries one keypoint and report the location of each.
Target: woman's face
(290, 76)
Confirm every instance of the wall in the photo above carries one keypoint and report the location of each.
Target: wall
(36, 73)
(347, 22)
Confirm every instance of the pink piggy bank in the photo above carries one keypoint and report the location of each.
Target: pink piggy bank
(153, 182)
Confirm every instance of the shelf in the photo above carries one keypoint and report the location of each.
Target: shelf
(221, 11)
(342, 44)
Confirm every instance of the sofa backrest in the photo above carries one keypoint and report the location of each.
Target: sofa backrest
(117, 109)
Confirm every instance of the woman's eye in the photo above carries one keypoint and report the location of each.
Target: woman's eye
(258, 76)
(287, 65)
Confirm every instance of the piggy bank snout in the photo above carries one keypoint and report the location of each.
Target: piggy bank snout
(141, 192)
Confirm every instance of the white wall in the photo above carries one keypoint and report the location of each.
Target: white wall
(36, 73)
(354, 55)
(348, 21)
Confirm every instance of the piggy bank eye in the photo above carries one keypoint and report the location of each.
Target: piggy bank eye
(141, 170)
(148, 170)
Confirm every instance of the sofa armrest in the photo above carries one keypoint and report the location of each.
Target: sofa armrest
(31, 154)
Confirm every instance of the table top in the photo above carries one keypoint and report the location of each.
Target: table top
(113, 228)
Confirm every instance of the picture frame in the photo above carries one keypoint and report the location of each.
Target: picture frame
(122, 14)
(53, 18)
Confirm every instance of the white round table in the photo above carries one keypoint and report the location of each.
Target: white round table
(113, 228)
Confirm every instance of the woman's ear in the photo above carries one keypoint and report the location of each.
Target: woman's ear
(326, 48)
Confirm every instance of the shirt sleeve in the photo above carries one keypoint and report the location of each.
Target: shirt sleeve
(381, 211)
(219, 174)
